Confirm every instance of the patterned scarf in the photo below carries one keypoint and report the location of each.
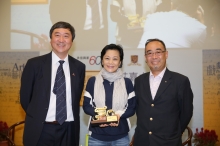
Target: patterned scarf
(120, 96)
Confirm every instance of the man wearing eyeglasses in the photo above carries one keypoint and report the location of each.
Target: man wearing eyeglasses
(164, 100)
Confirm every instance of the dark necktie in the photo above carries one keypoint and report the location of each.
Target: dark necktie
(95, 14)
(60, 90)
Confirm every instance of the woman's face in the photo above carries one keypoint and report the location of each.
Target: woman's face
(111, 60)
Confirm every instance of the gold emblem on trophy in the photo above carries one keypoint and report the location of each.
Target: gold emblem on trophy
(104, 116)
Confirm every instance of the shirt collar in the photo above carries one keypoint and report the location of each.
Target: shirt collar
(55, 59)
(160, 74)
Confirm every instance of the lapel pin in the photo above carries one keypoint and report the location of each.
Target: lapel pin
(73, 74)
(165, 81)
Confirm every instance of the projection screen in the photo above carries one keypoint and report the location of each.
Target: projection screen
(179, 23)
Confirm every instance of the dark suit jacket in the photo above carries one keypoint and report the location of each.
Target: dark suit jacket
(35, 94)
(161, 122)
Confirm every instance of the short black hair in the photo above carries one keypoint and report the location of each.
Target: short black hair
(155, 39)
(62, 24)
(113, 47)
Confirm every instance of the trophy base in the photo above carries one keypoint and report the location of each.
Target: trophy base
(100, 122)
(110, 119)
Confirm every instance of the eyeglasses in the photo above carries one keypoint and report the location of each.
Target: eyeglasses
(157, 53)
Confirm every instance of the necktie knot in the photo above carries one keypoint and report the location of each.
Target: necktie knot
(61, 62)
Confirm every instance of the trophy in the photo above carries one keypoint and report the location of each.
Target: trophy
(104, 116)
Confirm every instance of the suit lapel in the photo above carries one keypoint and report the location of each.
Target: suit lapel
(166, 80)
(46, 69)
(73, 77)
(147, 86)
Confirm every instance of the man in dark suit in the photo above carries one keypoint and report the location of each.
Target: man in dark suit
(38, 95)
(164, 101)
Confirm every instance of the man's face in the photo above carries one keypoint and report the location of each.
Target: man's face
(61, 42)
(155, 56)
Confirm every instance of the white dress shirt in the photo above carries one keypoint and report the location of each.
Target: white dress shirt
(51, 114)
(155, 82)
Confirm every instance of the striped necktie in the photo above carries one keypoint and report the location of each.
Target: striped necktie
(60, 91)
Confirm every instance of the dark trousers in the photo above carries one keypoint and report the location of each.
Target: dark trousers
(57, 135)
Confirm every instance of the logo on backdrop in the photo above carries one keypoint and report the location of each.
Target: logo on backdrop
(95, 60)
(134, 60)
(92, 60)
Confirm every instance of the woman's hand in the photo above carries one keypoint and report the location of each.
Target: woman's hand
(115, 124)
(103, 118)
(103, 125)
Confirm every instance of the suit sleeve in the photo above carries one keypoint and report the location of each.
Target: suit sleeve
(27, 82)
(186, 104)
